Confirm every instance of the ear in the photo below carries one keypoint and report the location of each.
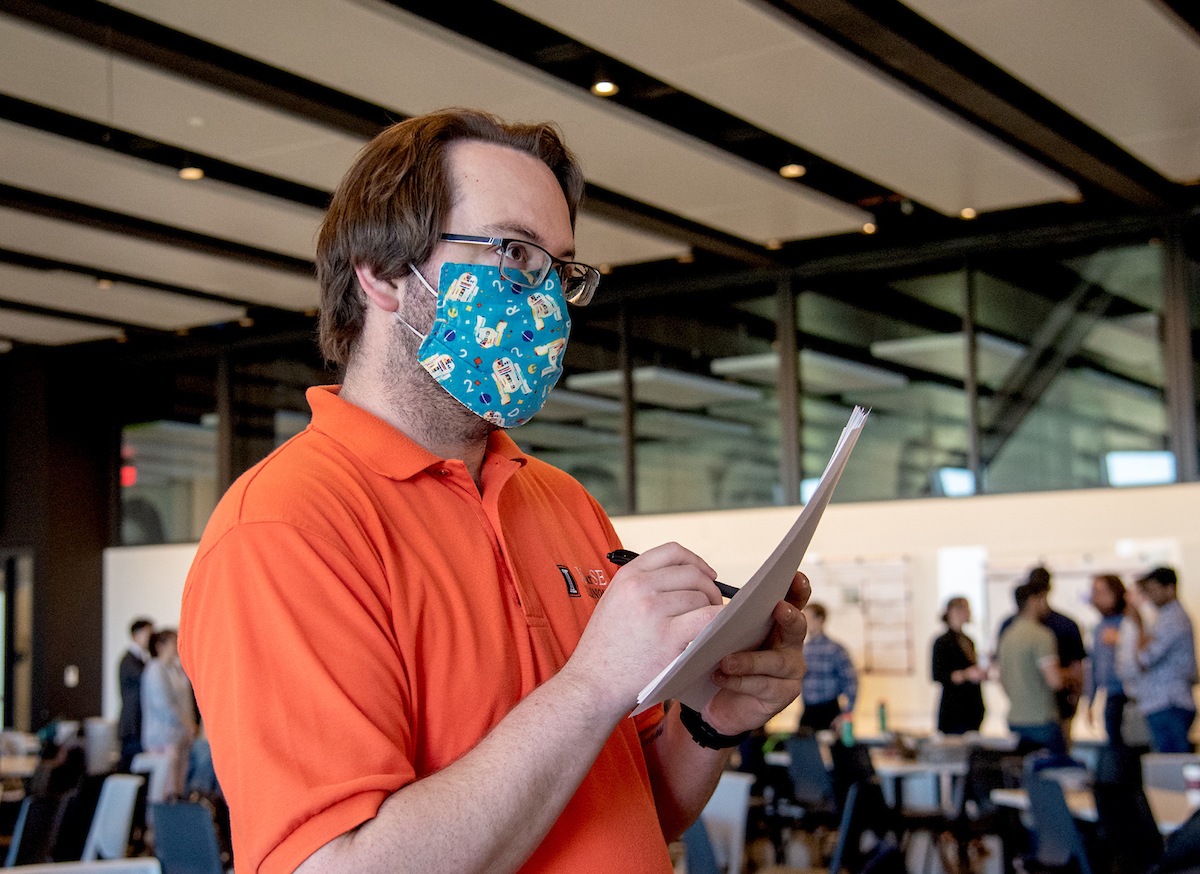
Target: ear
(381, 292)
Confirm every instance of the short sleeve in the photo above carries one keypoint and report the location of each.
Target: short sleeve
(290, 647)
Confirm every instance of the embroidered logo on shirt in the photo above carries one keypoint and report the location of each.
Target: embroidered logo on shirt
(594, 582)
(572, 587)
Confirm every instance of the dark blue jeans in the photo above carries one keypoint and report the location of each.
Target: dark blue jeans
(1114, 709)
(1169, 729)
(1047, 736)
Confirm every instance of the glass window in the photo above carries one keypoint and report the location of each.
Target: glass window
(168, 481)
(1090, 380)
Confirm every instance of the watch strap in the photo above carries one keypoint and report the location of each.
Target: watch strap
(704, 734)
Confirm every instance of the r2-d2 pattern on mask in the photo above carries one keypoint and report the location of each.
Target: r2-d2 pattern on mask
(495, 346)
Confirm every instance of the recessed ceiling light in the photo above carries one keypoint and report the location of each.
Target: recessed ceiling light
(968, 213)
(104, 284)
(869, 228)
(191, 173)
(774, 245)
(605, 88)
(792, 171)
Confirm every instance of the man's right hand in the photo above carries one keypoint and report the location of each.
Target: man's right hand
(653, 608)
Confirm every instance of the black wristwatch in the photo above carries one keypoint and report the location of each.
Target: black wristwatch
(704, 734)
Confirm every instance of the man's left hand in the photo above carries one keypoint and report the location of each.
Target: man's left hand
(754, 686)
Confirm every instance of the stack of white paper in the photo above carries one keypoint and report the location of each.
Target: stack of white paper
(745, 621)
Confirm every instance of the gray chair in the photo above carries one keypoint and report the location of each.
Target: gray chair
(1056, 836)
(185, 839)
(36, 831)
(108, 836)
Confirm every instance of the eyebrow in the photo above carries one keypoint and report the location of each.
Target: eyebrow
(524, 232)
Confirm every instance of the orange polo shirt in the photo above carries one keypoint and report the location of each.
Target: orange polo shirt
(359, 615)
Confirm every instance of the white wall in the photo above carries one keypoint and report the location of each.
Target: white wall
(1015, 529)
(138, 581)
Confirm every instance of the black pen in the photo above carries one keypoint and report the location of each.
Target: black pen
(625, 556)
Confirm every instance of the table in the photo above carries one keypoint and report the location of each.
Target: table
(895, 769)
(1170, 808)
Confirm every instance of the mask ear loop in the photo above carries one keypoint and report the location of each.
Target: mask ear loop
(428, 288)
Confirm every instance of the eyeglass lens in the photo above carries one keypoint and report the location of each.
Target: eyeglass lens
(531, 264)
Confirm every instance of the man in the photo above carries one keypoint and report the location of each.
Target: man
(129, 677)
(406, 641)
(1030, 673)
(1166, 657)
(1071, 652)
(830, 686)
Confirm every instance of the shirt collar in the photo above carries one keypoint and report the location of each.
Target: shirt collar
(384, 449)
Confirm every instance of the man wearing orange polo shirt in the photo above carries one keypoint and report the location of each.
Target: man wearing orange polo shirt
(409, 648)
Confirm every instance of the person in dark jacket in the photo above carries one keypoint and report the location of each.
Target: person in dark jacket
(129, 673)
(956, 667)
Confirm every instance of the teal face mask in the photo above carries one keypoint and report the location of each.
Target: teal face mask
(496, 347)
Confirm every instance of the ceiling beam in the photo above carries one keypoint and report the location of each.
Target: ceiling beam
(134, 145)
(62, 209)
(151, 43)
(577, 64)
(897, 41)
(36, 262)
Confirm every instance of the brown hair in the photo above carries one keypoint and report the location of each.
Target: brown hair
(393, 203)
(1117, 588)
(957, 601)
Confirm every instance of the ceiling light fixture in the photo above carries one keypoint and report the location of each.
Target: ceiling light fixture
(191, 173)
(604, 87)
(792, 171)
(968, 213)
(869, 228)
(104, 284)
(774, 245)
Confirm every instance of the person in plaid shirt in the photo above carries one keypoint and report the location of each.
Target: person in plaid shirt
(831, 678)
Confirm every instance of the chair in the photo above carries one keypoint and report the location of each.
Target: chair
(108, 836)
(157, 768)
(185, 839)
(1057, 838)
(37, 827)
(725, 818)
(847, 839)
(700, 856)
(1126, 828)
(812, 786)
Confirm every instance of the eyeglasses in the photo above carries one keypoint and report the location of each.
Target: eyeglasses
(528, 264)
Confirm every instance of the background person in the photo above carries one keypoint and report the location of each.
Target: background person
(1166, 656)
(1108, 597)
(168, 711)
(1071, 652)
(129, 680)
(956, 667)
(830, 687)
(1030, 674)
